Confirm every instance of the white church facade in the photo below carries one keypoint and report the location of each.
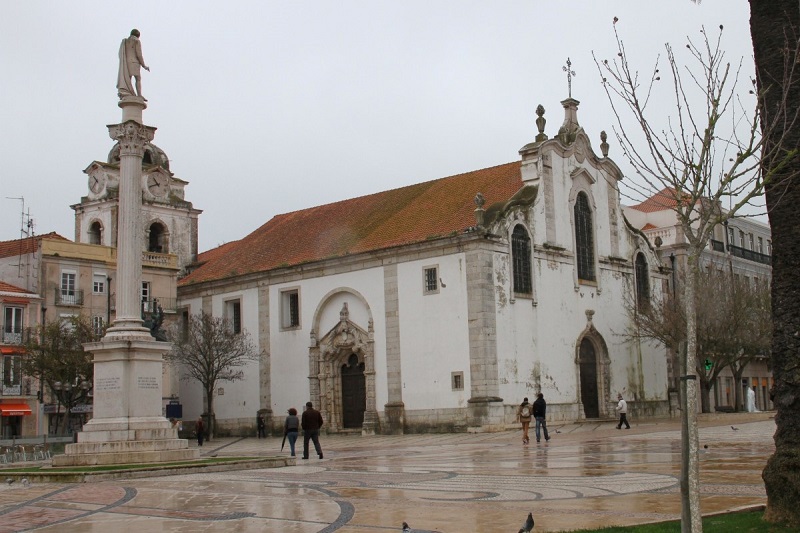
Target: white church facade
(438, 306)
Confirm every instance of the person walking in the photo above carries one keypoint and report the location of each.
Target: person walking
(262, 426)
(311, 422)
(524, 413)
(291, 428)
(200, 429)
(622, 408)
(539, 413)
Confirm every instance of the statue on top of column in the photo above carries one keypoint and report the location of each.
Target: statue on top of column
(130, 64)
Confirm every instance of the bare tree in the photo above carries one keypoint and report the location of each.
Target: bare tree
(55, 355)
(707, 155)
(209, 351)
(733, 324)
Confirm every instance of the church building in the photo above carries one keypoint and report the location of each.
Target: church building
(439, 306)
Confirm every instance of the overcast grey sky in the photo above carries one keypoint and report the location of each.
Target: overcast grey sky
(268, 107)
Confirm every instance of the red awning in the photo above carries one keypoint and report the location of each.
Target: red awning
(12, 350)
(14, 409)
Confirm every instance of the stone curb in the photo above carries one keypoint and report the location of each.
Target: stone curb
(148, 471)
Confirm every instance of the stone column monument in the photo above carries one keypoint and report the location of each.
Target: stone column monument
(127, 425)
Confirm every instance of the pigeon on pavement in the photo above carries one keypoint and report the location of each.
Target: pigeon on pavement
(527, 527)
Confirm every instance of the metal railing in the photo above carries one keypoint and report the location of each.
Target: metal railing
(744, 253)
(69, 297)
(169, 305)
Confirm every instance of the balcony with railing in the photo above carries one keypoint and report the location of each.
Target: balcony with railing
(744, 253)
(69, 297)
(169, 305)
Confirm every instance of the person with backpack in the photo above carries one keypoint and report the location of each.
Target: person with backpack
(524, 413)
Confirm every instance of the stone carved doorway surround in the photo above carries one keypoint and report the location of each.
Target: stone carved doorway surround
(331, 353)
(592, 366)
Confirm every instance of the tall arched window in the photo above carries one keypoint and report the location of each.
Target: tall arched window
(642, 282)
(157, 240)
(521, 257)
(584, 238)
(95, 233)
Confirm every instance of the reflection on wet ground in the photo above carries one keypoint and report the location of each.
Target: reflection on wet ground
(588, 475)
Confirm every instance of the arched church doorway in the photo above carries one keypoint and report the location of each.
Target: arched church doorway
(588, 370)
(354, 393)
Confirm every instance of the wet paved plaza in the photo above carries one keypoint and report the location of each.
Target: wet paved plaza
(588, 475)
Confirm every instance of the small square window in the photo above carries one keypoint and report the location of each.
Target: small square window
(290, 309)
(457, 380)
(99, 284)
(430, 281)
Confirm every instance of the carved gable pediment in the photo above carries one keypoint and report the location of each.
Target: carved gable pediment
(344, 338)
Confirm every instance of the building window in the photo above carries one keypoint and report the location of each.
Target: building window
(157, 239)
(752, 244)
(69, 295)
(521, 260)
(12, 325)
(760, 245)
(769, 247)
(99, 284)
(147, 303)
(12, 371)
(642, 282)
(741, 238)
(96, 233)
(457, 380)
(98, 325)
(430, 281)
(731, 237)
(584, 238)
(290, 309)
(233, 313)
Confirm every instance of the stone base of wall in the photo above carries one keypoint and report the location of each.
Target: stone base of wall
(483, 417)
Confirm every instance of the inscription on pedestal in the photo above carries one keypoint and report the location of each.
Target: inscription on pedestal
(147, 382)
(106, 384)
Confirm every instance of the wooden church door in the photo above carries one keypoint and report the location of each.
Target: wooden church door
(354, 393)
(588, 370)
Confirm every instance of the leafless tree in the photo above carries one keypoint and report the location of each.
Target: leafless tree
(707, 155)
(209, 351)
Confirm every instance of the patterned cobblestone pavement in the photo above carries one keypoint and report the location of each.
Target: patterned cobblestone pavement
(588, 475)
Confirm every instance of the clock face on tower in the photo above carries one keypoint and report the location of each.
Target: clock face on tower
(157, 184)
(97, 181)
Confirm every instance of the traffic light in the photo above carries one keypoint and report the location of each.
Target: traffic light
(708, 363)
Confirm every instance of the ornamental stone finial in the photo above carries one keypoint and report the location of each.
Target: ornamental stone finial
(540, 123)
(603, 143)
(479, 212)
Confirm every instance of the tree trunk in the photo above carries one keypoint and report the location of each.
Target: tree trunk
(771, 23)
(691, 519)
(705, 395)
(737, 372)
(210, 413)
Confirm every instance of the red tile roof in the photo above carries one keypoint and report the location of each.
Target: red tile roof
(7, 287)
(649, 226)
(386, 219)
(25, 246)
(660, 201)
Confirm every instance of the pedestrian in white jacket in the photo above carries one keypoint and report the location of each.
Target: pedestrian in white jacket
(622, 409)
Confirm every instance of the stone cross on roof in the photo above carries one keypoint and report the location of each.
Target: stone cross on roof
(570, 73)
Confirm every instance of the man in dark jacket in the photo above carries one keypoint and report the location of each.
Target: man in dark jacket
(311, 422)
(539, 412)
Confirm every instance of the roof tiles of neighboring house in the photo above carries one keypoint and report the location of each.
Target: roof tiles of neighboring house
(660, 201)
(397, 217)
(25, 246)
(13, 289)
